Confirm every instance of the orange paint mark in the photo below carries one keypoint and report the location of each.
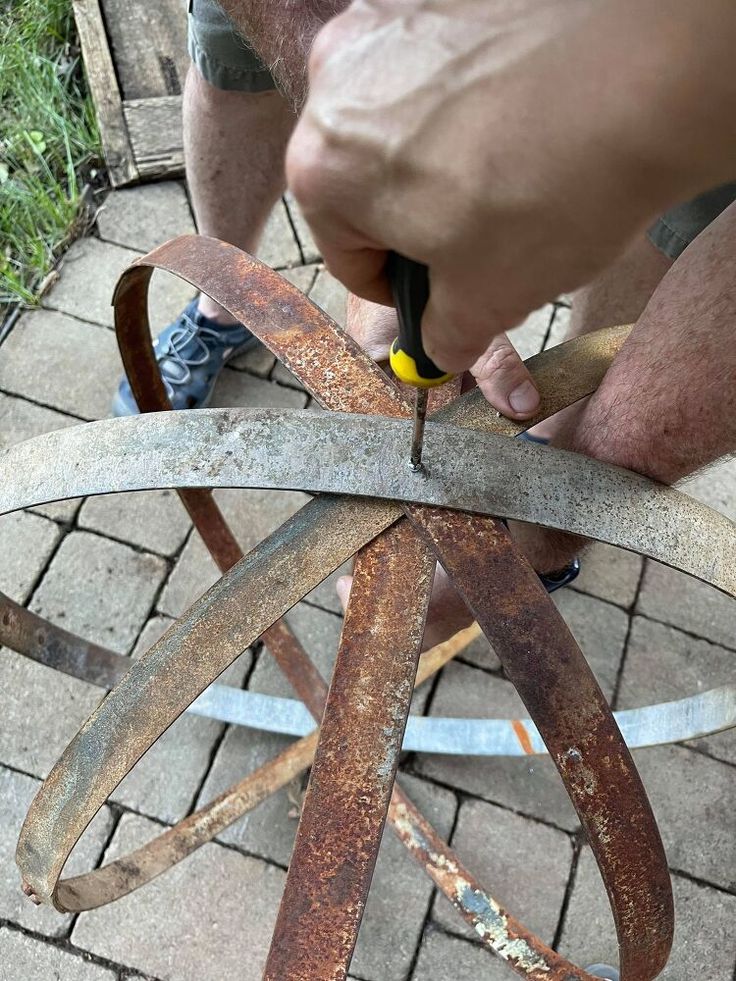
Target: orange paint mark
(523, 736)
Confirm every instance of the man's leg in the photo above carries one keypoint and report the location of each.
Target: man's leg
(234, 144)
(618, 296)
(236, 127)
(666, 406)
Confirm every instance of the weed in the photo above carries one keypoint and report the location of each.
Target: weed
(49, 142)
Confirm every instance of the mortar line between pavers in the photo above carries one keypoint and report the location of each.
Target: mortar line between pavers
(134, 546)
(75, 316)
(577, 847)
(65, 531)
(432, 896)
(548, 330)
(703, 883)
(625, 651)
(574, 588)
(294, 233)
(704, 752)
(171, 562)
(684, 630)
(63, 943)
(43, 405)
(296, 387)
(488, 800)
(322, 609)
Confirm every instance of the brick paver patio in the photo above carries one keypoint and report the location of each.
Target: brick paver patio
(117, 569)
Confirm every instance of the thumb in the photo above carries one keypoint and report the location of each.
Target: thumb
(504, 380)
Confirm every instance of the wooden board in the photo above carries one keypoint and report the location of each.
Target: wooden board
(136, 59)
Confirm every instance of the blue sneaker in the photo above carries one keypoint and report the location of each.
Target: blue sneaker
(191, 353)
(603, 971)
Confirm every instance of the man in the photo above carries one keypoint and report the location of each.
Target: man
(371, 166)
(520, 149)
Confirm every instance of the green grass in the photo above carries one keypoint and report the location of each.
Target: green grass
(48, 142)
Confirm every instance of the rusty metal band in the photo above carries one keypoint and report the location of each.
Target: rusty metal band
(692, 717)
(130, 872)
(631, 975)
(643, 951)
(352, 778)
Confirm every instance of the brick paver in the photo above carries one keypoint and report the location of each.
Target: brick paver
(512, 857)
(704, 946)
(182, 927)
(152, 520)
(91, 268)
(26, 543)
(117, 570)
(99, 588)
(44, 341)
(24, 957)
(141, 218)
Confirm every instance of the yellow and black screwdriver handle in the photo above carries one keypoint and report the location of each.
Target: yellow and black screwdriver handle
(410, 286)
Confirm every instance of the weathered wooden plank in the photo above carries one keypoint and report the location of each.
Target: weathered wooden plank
(103, 85)
(149, 46)
(155, 132)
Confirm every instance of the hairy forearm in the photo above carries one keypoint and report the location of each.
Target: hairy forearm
(281, 33)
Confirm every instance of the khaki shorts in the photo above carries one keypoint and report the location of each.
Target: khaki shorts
(223, 56)
(675, 230)
(226, 61)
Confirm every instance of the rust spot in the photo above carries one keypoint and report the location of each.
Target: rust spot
(523, 736)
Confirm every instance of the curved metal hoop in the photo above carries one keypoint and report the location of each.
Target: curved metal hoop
(310, 545)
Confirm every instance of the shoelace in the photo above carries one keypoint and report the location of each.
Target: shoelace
(174, 364)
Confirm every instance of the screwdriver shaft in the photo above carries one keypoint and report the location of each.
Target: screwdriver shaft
(417, 437)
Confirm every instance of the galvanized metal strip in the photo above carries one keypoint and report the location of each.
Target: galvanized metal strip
(653, 725)
(348, 454)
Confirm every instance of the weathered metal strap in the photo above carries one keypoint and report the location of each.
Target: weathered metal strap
(130, 872)
(353, 774)
(289, 449)
(641, 952)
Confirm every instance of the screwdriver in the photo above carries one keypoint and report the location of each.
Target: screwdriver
(410, 287)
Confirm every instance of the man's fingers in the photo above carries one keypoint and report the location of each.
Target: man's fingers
(504, 380)
(373, 326)
(457, 323)
(361, 269)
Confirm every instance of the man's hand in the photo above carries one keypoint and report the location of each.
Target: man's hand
(499, 372)
(514, 146)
